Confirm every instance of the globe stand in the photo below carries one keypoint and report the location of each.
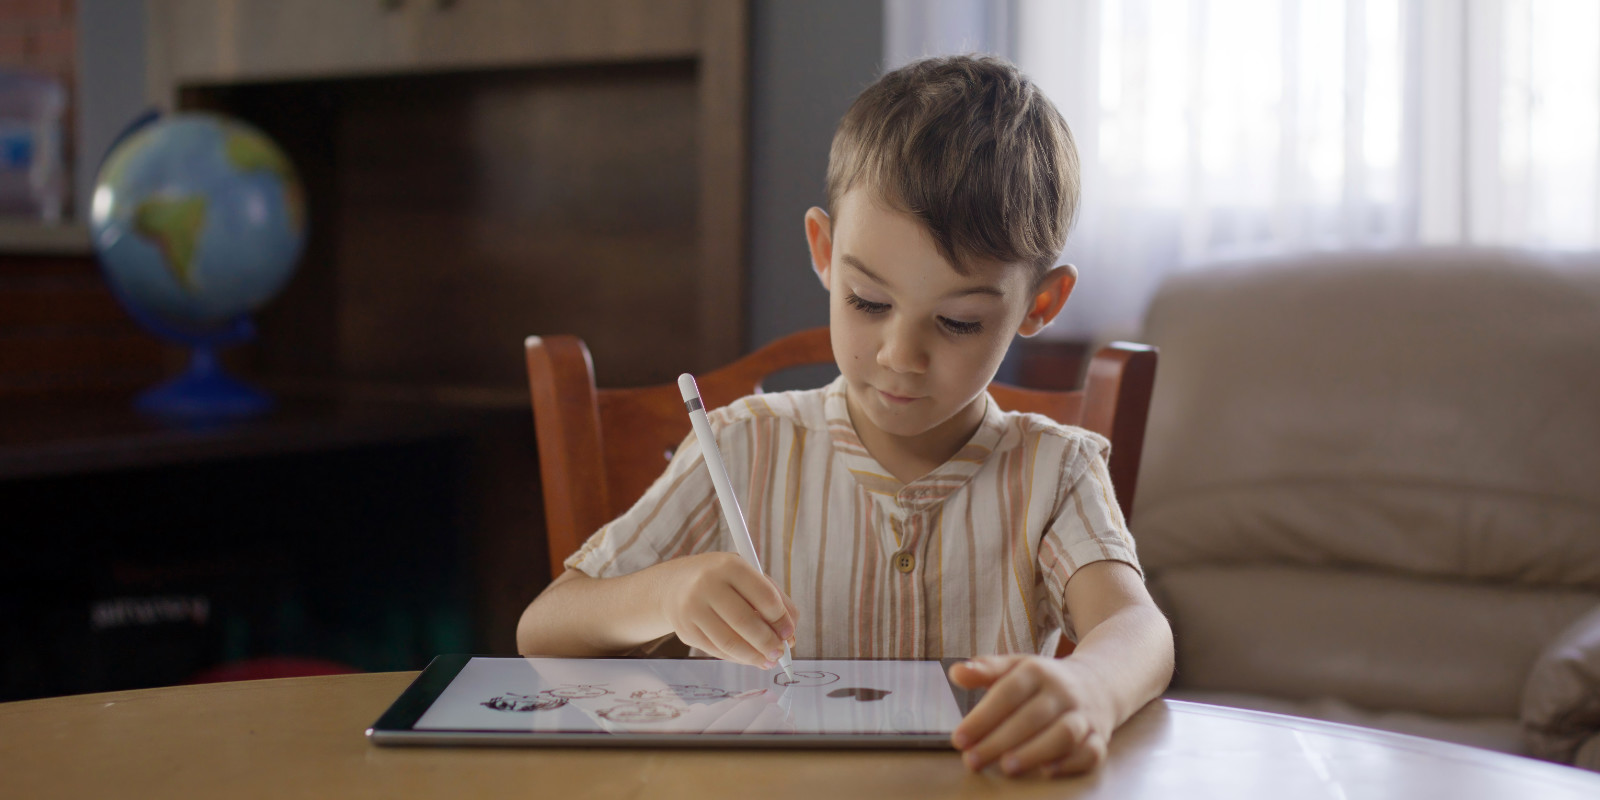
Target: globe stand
(205, 390)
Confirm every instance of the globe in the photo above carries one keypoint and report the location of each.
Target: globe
(198, 220)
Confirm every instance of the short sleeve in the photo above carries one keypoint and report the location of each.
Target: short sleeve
(1087, 525)
(677, 516)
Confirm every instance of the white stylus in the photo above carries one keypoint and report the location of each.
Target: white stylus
(719, 479)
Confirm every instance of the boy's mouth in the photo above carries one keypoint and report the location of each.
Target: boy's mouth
(895, 398)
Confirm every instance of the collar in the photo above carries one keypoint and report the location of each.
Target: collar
(926, 491)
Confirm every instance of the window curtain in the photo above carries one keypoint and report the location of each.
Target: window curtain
(1213, 130)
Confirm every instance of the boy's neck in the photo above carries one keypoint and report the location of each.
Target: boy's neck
(908, 458)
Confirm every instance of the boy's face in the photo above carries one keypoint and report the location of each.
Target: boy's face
(917, 342)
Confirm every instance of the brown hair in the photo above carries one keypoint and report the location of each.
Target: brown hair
(971, 148)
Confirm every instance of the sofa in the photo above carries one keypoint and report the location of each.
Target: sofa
(1370, 492)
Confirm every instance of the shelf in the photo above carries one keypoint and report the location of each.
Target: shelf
(31, 237)
(72, 435)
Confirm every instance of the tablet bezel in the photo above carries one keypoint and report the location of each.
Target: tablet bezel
(395, 726)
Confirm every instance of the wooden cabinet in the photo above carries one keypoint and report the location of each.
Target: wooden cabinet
(372, 533)
(483, 170)
(478, 171)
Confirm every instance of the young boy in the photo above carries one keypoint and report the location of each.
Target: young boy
(899, 513)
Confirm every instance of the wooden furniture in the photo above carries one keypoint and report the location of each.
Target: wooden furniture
(599, 449)
(302, 737)
(44, 238)
(372, 523)
(61, 331)
(476, 169)
(108, 509)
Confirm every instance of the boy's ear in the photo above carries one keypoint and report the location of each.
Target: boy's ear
(819, 234)
(1047, 300)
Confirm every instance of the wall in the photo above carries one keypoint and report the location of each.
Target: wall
(808, 62)
(110, 87)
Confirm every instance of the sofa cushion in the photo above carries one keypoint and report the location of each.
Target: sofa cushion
(1428, 412)
(1377, 641)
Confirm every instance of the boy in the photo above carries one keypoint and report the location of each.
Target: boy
(904, 514)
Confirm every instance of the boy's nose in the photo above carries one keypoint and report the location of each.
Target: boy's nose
(902, 351)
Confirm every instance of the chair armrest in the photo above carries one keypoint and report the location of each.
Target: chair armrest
(1561, 700)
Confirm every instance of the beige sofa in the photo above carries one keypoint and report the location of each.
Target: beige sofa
(1371, 492)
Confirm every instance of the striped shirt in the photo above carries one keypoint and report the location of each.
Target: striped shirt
(970, 559)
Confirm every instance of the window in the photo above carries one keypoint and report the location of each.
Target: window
(1211, 130)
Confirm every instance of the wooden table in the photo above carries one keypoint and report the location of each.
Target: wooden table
(304, 737)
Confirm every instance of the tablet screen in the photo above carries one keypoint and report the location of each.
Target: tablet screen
(676, 698)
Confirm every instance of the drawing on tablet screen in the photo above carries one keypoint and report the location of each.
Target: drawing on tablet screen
(568, 696)
(682, 692)
(634, 712)
(580, 691)
(806, 678)
(512, 701)
(861, 694)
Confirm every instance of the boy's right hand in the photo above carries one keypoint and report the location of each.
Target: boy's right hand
(722, 605)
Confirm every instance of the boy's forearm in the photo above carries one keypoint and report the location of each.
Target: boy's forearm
(1130, 652)
(584, 616)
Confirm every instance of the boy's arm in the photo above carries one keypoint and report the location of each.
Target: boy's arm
(714, 601)
(559, 621)
(1058, 715)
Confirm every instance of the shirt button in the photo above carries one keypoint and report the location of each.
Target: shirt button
(905, 562)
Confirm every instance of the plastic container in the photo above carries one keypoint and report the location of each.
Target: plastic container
(32, 172)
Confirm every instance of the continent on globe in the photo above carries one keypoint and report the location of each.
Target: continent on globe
(174, 225)
(248, 152)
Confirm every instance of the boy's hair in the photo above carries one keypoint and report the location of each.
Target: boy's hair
(969, 146)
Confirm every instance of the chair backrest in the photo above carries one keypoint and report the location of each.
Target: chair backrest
(599, 449)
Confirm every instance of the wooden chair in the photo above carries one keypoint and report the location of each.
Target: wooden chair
(600, 449)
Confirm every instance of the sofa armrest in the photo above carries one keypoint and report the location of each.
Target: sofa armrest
(1588, 756)
(1561, 700)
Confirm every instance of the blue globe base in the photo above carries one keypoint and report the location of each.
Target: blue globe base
(204, 391)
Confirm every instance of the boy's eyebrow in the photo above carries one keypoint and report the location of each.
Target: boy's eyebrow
(970, 290)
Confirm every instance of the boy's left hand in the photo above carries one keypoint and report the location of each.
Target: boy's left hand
(1039, 714)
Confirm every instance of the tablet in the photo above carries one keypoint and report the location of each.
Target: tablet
(462, 699)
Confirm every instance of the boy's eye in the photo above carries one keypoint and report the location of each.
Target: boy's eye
(961, 328)
(865, 305)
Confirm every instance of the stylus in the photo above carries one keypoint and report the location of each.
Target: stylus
(719, 479)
